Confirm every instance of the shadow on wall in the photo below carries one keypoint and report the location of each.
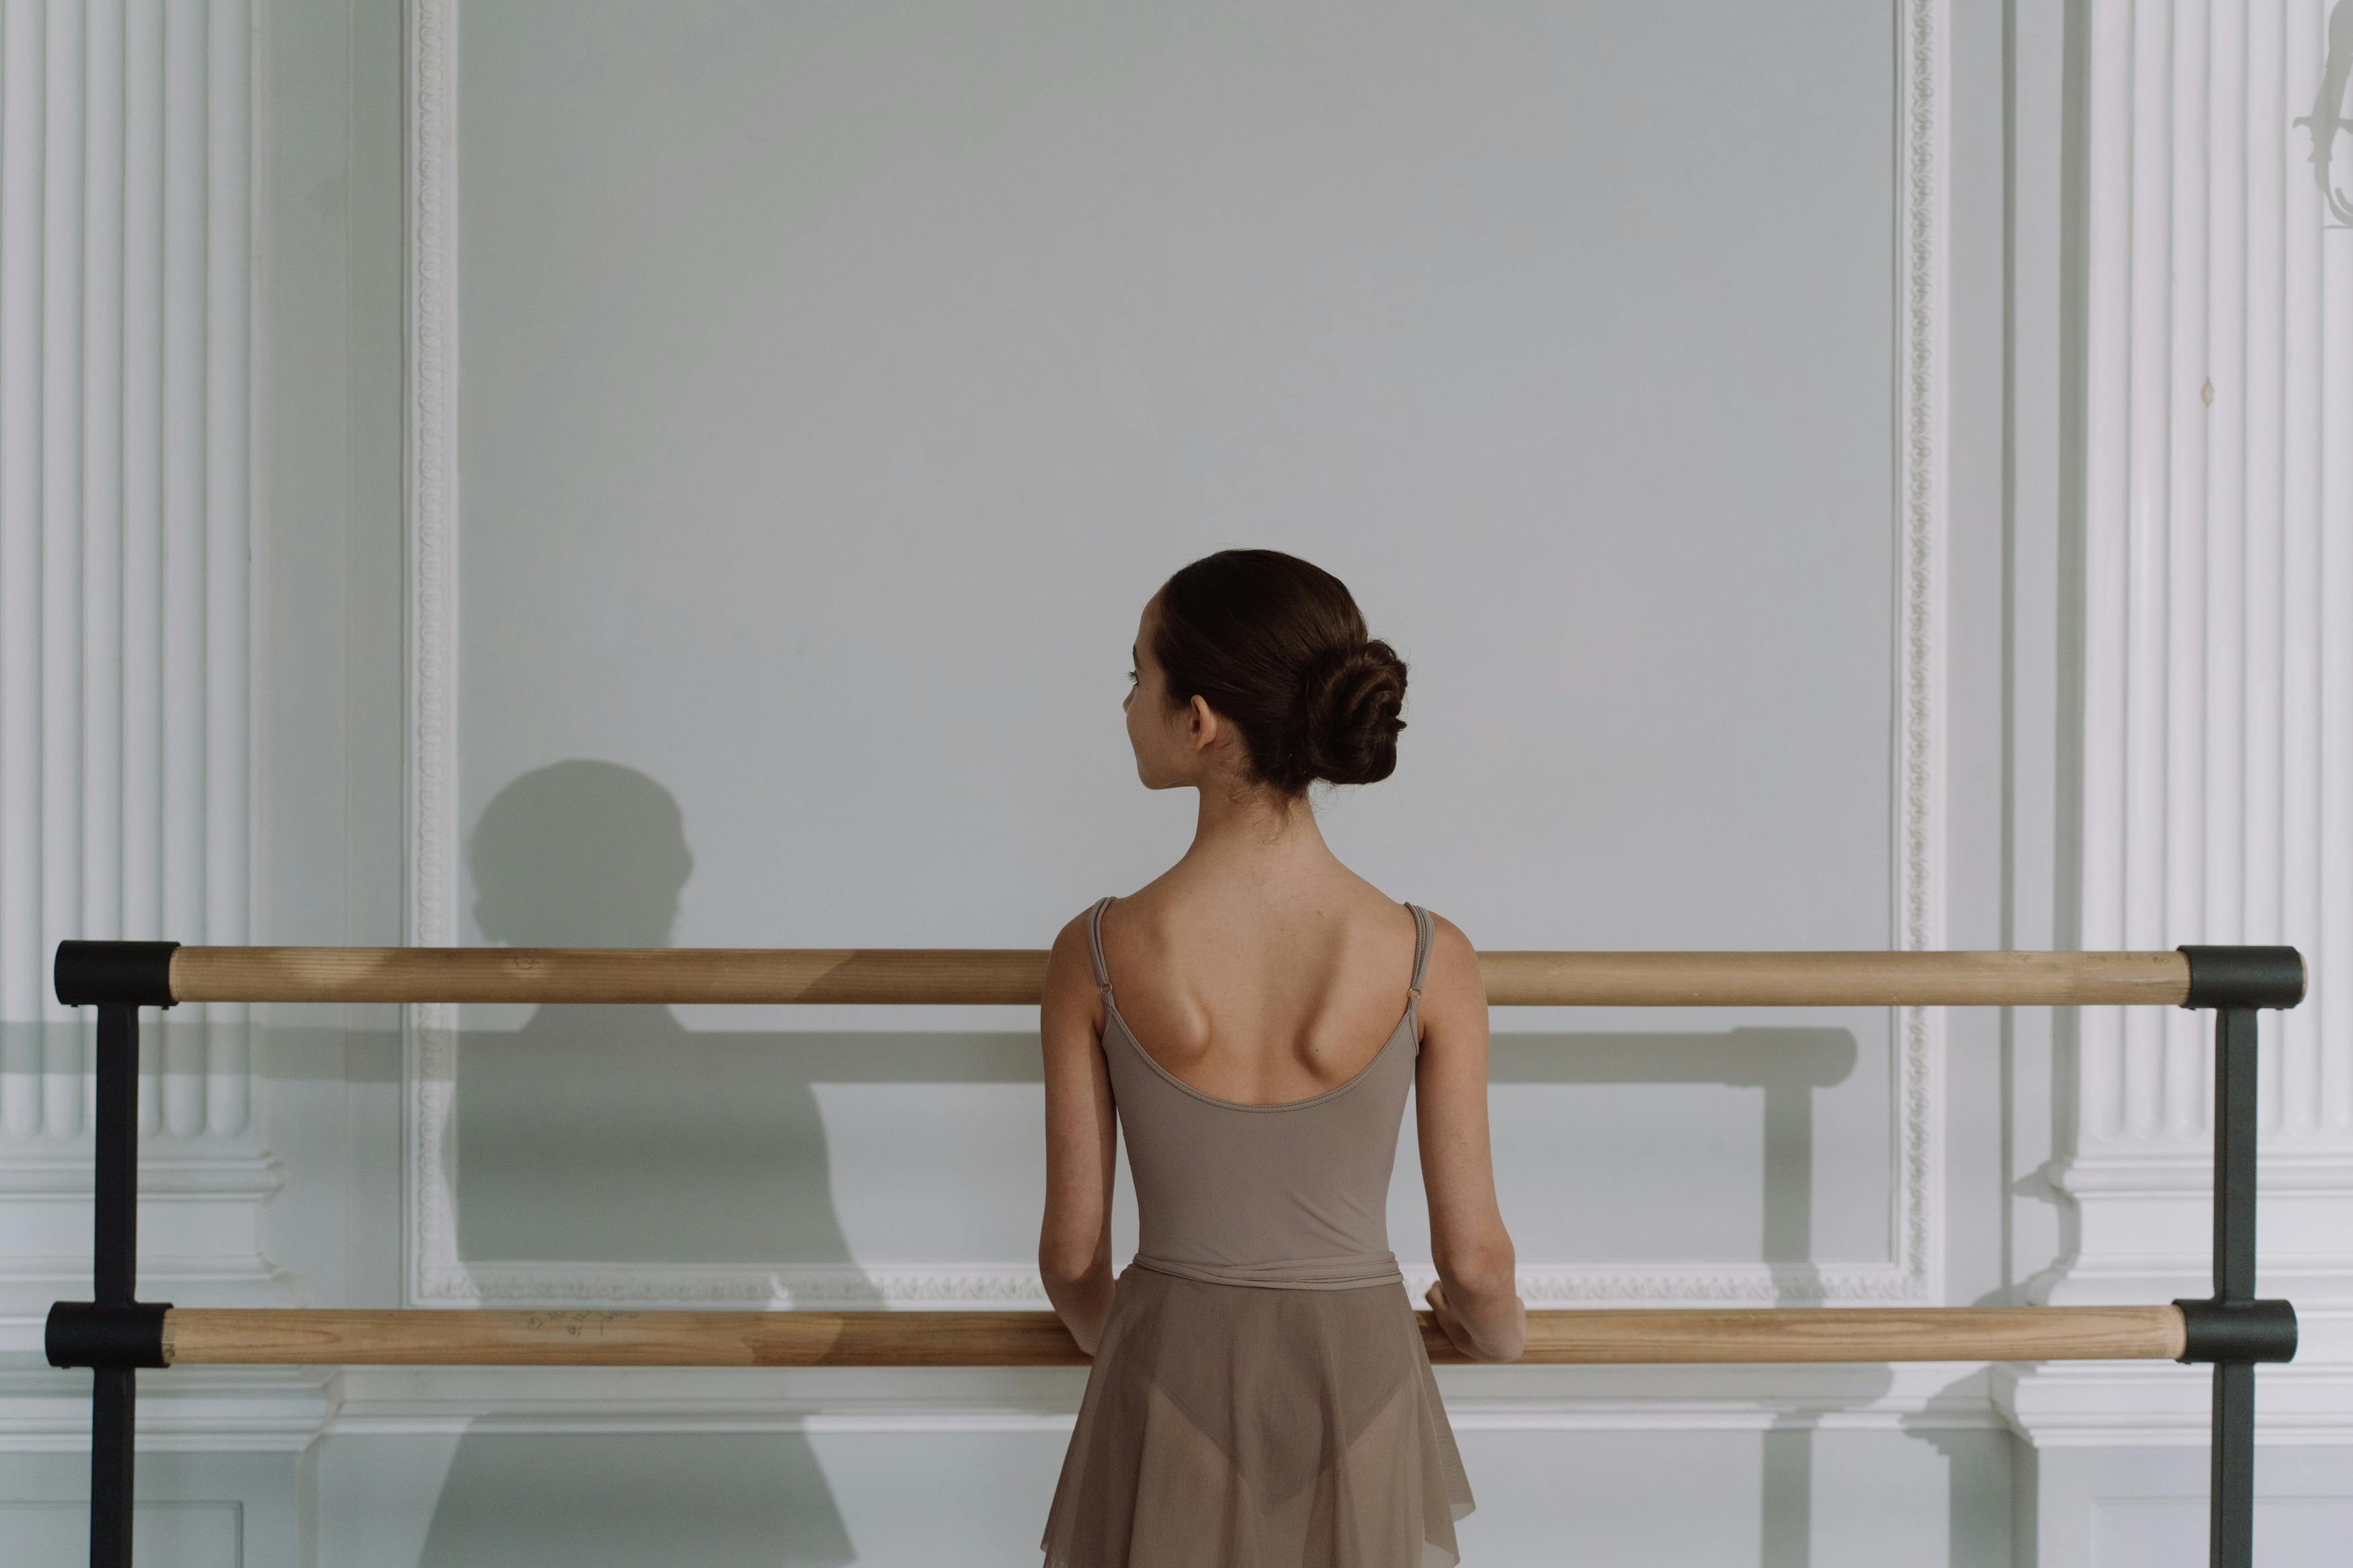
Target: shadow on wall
(615, 1135)
(716, 1499)
(1789, 1066)
(2332, 114)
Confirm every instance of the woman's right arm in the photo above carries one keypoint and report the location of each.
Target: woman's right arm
(1082, 1122)
(1477, 1297)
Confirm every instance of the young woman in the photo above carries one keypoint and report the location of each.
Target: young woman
(1260, 1395)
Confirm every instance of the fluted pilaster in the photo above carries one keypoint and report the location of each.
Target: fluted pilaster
(2217, 658)
(2219, 530)
(125, 277)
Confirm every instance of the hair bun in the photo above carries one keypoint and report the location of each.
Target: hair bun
(1349, 698)
(1277, 647)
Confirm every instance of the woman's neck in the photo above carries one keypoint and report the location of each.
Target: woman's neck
(1256, 827)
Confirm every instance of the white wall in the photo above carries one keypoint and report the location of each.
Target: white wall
(824, 410)
(717, 453)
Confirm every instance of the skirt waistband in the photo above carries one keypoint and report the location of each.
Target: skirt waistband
(1345, 1272)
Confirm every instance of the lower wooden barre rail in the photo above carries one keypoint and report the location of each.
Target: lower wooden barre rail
(923, 1338)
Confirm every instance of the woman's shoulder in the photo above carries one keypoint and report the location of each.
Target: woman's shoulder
(1069, 959)
(1445, 931)
(1452, 978)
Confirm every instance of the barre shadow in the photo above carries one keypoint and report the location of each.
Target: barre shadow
(1788, 1065)
(1977, 1485)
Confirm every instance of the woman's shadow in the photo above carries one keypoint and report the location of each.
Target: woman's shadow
(611, 1136)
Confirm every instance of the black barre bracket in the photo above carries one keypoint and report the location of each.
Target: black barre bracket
(84, 1333)
(2236, 1331)
(131, 974)
(2244, 977)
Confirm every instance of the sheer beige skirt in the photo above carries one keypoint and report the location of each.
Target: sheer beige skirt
(1243, 1426)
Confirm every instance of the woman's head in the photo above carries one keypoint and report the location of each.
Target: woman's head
(1255, 664)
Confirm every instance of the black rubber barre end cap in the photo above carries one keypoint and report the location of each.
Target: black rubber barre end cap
(83, 1333)
(2244, 976)
(137, 974)
(2236, 1331)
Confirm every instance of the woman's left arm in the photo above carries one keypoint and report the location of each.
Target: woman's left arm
(1075, 1241)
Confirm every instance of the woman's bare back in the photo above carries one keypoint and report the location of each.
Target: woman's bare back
(1263, 995)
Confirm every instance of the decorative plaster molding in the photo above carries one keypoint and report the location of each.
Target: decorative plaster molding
(2125, 1404)
(196, 1409)
(429, 1034)
(2218, 784)
(199, 1228)
(2217, 787)
(2218, 708)
(124, 430)
(1929, 1396)
(1920, 820)
(438, 1276)
(953, 1285)
(126, 312)
(254, 1409)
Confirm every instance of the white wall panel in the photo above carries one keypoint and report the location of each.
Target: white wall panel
(787, 453)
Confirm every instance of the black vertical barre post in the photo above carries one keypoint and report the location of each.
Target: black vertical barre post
(116, 1333)
(114, 1266)
(2233, 1330)
(2231, 1463)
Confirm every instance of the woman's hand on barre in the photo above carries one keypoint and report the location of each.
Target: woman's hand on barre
(1511, 1343)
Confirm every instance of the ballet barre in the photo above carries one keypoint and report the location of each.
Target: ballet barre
(164, 974)
(318, 1336)
(115, 1334)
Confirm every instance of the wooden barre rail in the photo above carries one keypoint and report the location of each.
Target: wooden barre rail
(923, 1338)
(1014, 976)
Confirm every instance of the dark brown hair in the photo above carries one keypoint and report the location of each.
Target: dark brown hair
(1278, 647)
